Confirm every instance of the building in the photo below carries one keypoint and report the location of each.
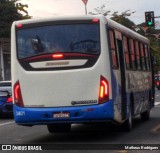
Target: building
(5, 59)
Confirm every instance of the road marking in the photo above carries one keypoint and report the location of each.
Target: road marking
(122, 151)
(157, 103)
(6, 123)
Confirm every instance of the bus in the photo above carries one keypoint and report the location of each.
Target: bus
(79, 69)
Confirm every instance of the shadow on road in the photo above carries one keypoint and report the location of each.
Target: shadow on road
(89, 133)
(6, 116)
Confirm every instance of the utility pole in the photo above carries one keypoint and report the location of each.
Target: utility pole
(85, 3)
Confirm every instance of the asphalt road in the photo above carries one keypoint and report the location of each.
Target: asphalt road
(86, 137)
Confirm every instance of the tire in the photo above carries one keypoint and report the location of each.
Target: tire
(145, 115)
(59, 128)
(128, 124)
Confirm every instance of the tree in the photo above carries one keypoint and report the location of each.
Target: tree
(22, 8)
(9, 13)
(120, 18)
(100, 10)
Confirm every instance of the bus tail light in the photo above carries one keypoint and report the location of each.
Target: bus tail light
(18, 95)
(57, 56)
(95, 20)
(19, 26)
(9, 100)
(103, 90)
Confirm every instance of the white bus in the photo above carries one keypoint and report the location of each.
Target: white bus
(82, 69)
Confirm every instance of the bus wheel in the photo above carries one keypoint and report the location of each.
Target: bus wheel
(127, 125)
(145, 115)
(59, 128)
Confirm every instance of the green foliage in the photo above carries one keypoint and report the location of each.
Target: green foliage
(120, 18)
(22, 8)
(154, 37)
(8, 14)
(155, 45)
(124, 21)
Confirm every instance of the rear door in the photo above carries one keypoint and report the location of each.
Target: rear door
(122, 74)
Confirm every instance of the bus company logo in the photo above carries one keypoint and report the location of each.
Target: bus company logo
(6, 147)
(57, 63)
(84, 102)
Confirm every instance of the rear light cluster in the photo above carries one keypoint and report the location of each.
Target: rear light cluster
(57, 56)
(95, 20)
(9, 100)
(19, 26)
(103, 90)
(17, 95)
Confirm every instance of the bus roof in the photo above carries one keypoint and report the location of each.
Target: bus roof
(126, 30)
(108, 21)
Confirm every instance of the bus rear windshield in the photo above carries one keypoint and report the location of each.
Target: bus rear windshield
(76, 38)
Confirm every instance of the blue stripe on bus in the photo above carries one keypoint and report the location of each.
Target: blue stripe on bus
(78, 114)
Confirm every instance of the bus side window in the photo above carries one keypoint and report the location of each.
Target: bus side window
(137, 51)
(113, 49)
(126, 52)
(146, 57)
(132, 54)
(143, 63)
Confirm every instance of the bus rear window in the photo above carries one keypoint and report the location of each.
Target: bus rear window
(66, 38)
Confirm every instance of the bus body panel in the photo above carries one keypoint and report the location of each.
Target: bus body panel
(79, 114)
(116, 91)
(139, 84)
(57, 89)
(62, 87)
(76, 91)
(54, 91)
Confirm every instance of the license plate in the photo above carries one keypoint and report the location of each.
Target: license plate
(61, 115)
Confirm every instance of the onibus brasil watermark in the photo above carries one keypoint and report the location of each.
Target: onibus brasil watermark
(21, 147)
(142, 147)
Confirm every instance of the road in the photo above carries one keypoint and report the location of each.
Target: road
(147, 132)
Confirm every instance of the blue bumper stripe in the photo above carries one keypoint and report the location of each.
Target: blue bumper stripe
(78, 114)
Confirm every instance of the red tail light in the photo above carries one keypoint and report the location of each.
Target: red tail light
(19, 26)
(103, 90)
(17, 95)
(95, 20)
(57, 56)
(9, 99)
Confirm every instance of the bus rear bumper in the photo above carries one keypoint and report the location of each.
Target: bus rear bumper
(77, 114)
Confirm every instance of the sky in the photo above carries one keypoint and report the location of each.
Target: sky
(44, 8)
